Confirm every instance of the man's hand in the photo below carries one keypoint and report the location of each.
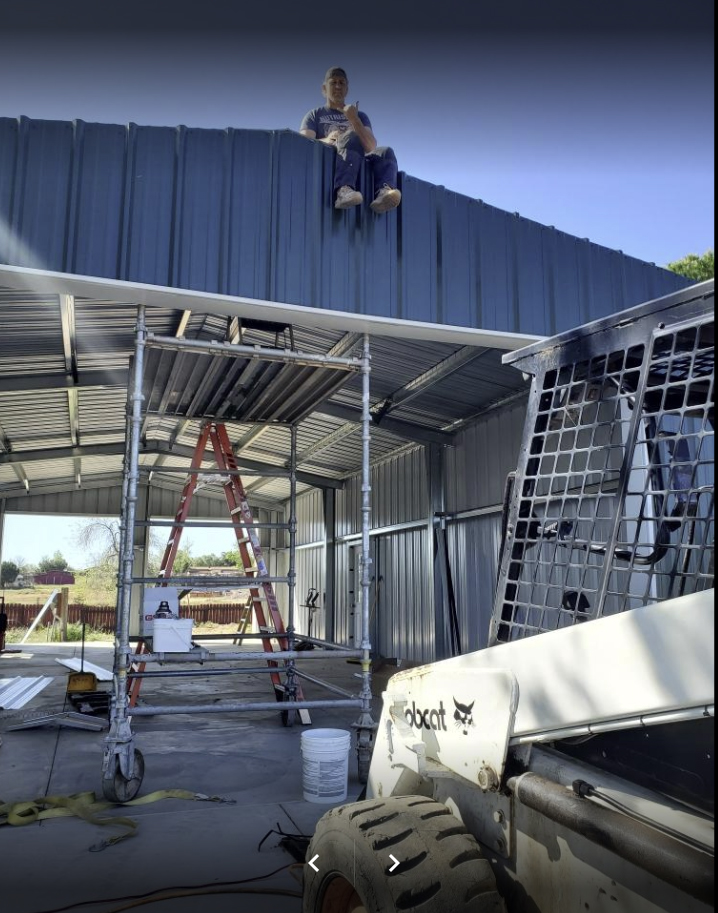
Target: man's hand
(351, 112)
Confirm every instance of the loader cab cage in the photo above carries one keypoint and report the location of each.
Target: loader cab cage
(612, 505)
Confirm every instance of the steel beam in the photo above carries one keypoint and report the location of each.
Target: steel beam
(409, 431)
(19, 383)
(153, 448)
(337, 435)
(424, 381)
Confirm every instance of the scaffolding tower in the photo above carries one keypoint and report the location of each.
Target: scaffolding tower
(282, 396)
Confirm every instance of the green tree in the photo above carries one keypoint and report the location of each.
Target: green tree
(183, 562)
(8, 572)
(226, 559)
(56, 563)
(209, 560)
(694, 267)
(232, 559)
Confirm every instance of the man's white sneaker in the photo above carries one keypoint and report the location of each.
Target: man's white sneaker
(387, 198)
(347, 197)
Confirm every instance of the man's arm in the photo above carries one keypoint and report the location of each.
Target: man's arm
(366, 137)
(330, 140)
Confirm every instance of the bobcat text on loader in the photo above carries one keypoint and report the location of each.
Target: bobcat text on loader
(571, 771)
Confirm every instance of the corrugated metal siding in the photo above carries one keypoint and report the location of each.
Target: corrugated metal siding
(343, 622)
(105, 502)
(249, 213)
(310, 517)
(473, 557)
(404, 624)
(310, 573)
(398, 494)
(485, 453)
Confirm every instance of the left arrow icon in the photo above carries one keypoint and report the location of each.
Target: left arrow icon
(312, 861)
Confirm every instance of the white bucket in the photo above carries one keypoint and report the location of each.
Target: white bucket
(325, 764)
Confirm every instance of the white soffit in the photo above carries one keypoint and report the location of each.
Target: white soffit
(45, 281)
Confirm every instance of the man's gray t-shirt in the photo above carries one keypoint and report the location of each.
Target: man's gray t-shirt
(324, 121)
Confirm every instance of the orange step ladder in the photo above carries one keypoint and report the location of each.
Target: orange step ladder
(262, 596)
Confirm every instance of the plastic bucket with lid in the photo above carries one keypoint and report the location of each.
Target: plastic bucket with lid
(325, 764)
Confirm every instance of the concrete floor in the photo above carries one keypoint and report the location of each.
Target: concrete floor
(249, 758)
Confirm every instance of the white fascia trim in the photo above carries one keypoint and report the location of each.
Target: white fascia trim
(49, 282)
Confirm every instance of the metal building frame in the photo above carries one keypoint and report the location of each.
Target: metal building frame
(123, 765)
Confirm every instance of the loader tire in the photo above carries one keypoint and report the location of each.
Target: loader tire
(441, 868)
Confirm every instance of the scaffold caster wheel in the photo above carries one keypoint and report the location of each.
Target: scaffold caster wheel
(115, 787)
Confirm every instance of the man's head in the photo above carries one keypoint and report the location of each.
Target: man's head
(335, 87)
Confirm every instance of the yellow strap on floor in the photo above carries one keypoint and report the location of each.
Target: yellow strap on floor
(86, 806)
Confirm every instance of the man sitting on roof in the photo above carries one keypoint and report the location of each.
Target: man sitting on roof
(349, 131)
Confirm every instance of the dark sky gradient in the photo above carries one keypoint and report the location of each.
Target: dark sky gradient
(595, 118)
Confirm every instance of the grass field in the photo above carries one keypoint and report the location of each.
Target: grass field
(80, 592)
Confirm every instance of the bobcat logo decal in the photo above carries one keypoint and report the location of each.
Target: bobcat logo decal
(463, 716)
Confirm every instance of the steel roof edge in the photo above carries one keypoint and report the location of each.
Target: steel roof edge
(700, 290)
(47, 281)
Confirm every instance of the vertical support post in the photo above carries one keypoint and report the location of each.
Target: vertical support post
(292, 571)
(330, 563)
(2, 524)
(140, 540)
(365, 725)
(119, 748)
(123, 511)
(435, 488)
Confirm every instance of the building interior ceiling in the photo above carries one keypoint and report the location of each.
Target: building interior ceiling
(64, 371)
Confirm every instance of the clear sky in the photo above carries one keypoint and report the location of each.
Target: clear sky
(594, 118)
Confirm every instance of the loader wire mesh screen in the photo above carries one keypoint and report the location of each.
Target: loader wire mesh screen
(613, 502)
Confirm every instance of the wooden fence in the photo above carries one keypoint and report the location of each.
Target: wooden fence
(102, 618)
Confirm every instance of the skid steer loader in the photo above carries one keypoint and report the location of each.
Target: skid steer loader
(570, 772)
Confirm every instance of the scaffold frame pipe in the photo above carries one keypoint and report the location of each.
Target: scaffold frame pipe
(205, 656)
(119, 743)
(262, 353)
(235, 707)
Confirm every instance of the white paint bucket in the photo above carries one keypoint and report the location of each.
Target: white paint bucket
(325, 764)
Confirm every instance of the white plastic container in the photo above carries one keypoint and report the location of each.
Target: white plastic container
(172, 635)
(325, 764)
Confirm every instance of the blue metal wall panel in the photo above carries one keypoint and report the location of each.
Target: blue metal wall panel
(248, 249)
(249, 213)
(150, 197)
(97, 231)
(9, 153)
(41, 194)
(200, 218)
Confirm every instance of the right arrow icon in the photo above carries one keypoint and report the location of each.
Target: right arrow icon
(395, 861)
